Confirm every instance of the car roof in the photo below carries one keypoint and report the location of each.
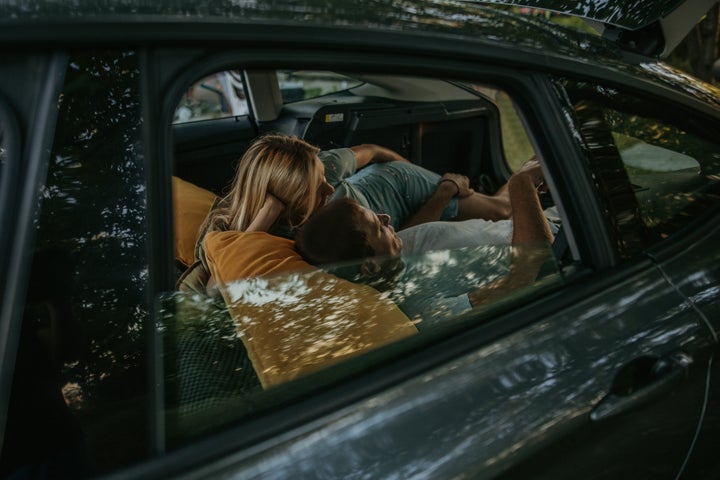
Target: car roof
(649, 27)
(365, 22)
(652, 27)
(426, 27)
(627, 14)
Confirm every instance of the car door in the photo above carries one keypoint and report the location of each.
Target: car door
(641, 161)
(671, 162)
(606, 371)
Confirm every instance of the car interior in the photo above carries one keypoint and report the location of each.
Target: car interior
(444, 126)
(440, 125)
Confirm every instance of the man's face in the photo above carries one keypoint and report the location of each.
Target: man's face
(380, 234)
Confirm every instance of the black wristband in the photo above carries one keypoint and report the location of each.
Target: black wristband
(454, 182)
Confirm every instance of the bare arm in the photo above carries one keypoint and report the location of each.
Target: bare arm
(368, 153)
(529, 223)
(267, 216)
(531, 239)
(450, 185)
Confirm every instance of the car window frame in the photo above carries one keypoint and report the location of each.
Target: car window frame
(691, 121)
(9, 166)
(251, 59)
(9, 173)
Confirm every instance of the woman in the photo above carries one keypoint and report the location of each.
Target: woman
(279, 179)
(278, 184)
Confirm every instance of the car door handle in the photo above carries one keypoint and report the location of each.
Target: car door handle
(641, 381)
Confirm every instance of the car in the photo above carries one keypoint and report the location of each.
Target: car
(122, 123)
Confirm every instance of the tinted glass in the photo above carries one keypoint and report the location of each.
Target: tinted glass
(254, 343)
(80, 384)
(672, 161)
(9, 153)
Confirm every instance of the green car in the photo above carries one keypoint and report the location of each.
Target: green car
(140, 338)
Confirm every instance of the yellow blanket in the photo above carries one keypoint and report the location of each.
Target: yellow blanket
(293, 318)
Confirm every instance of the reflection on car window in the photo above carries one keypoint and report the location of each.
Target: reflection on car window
(250, 342)
(296, 85)
(80, 377)
(673, 169)
(216, 96)
(227, 353)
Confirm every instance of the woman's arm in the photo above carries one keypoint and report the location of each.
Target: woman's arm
(268, 214)
(368, 153)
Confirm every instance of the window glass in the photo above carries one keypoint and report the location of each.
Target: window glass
(673, 166)
(515, 141)
(275, 325)
(251, 344)
(78, 402)
(296, 85)
(219, 95)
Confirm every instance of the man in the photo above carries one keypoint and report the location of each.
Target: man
(344, 231)
(385, 182)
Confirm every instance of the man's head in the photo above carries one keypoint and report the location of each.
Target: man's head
(343, 231)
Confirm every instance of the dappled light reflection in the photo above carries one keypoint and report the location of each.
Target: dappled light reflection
(433, 287)
(508, 396)
(298, 323)
(295, 324)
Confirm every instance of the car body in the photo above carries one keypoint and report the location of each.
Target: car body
(604, 368)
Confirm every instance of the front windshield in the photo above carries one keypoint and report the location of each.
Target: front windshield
(296, 85)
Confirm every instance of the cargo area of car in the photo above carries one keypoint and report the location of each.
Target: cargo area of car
(455, 135)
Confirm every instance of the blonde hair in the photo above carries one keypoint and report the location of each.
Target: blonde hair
(283, 166)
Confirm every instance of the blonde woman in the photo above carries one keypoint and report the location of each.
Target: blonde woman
(278, 184)
(278, 179)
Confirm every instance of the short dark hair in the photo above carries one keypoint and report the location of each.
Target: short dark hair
(330, 235)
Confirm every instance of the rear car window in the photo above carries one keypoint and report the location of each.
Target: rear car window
(672, 163)
(248, 345)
